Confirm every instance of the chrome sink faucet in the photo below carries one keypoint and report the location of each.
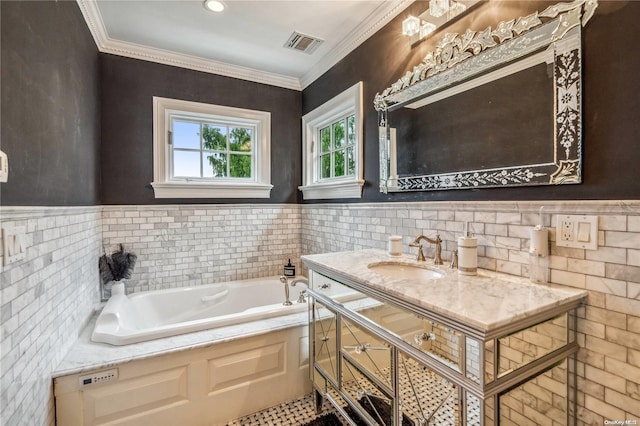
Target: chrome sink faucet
(437, 258)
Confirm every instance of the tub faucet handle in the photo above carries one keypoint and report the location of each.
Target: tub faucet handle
(285, 281)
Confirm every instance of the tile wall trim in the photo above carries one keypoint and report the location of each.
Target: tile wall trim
(17, 212)
(141, 207)
(549, 206)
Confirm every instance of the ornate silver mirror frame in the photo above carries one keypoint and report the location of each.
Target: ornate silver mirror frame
(555, 36)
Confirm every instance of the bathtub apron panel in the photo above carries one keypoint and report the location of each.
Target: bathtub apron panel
(206, 386)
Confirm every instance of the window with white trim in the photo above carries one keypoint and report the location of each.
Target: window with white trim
(332, 148)
(210, 151)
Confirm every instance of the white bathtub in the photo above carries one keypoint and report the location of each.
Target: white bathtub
(151, 315)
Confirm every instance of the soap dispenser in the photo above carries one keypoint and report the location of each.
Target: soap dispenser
(539, 255)
(539, 252)
(289, 269)
(467, 253)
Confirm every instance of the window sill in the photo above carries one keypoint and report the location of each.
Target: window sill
(330, 190)
(211, 190)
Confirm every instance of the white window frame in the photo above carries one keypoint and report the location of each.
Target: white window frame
(165, 186)
(313, 187)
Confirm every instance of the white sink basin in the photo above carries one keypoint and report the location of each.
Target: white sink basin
(406, 271)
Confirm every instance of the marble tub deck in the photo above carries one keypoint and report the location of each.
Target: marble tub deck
(86, 355)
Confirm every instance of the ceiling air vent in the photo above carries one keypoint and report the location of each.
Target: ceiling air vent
(303, 43)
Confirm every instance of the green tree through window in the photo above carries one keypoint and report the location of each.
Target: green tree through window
(337, 148)
(234, 160)
(210, 151)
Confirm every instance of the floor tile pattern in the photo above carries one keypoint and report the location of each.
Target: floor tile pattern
(293, 413)
(426, 398)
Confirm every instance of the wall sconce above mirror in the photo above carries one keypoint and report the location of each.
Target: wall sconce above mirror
(494, 108)
(439, 14)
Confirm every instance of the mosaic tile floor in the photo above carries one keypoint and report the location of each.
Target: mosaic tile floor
(293, 413)
(424, 395)
(436, 399)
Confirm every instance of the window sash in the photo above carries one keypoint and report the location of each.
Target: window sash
(258, 186)
(347, 146)
(227, 123)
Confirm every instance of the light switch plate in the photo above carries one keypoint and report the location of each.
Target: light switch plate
(4, 167)
(577, 231)
(14, 244)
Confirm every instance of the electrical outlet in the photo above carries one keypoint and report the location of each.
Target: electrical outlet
(566, 233)
(4, 167)
(577, 231)
(99, 377)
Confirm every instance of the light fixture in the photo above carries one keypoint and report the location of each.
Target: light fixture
(411, 26)
(426, 29)
(456, 9)
(416, 28)
(437, 8)
(440, 12)
(213, 5)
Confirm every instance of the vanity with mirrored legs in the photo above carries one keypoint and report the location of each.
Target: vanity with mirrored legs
(383, 360)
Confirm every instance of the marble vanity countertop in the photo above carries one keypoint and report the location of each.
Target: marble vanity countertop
(86, 355)
(486, 302)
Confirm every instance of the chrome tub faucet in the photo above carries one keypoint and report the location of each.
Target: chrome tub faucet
(284, 280)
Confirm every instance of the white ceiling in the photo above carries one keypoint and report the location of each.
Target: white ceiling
(244, 41)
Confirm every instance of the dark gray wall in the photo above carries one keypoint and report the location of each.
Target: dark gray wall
(128, 87)
(610, 108)
(52, 110)
(50, 125)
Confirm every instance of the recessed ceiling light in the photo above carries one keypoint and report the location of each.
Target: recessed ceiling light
(213, 5)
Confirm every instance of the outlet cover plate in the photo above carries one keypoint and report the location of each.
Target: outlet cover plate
(577, 231)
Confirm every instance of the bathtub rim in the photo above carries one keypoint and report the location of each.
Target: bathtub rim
(110, 332)
(84, 355)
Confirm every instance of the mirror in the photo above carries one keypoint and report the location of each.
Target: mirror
(496, 108)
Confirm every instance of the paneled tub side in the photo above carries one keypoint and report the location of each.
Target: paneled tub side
(203, 378)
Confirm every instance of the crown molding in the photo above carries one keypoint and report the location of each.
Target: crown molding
(94, 21)
(376, 20)
(105, 44)
(196, 63)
